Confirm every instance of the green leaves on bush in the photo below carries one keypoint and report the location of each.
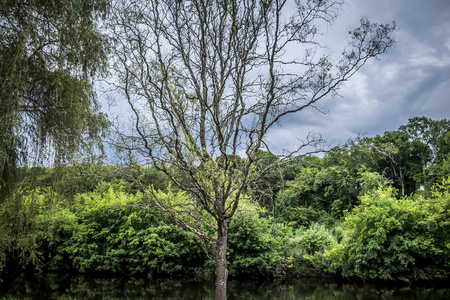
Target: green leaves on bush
(253, 249)
(306, 248)
(116, 232)
(405, 239)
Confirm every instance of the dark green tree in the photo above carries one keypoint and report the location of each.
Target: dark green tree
(396, 157)
(49, 53)
(415, 155)
(432, 142)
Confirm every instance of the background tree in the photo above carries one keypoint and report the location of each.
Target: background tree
(415, 155)
(49, 53)
(432, 141)
(397, 158)
(207, 80)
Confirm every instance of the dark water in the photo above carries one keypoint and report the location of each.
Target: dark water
(86, 287)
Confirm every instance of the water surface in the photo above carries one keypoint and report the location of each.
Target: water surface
(89, 287)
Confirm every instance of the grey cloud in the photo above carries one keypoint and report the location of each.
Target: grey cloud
(419, 66)
(412, 79)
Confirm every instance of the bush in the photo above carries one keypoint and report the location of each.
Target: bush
(110, 232)
(305, 251)
(401, 239)
(252, 249)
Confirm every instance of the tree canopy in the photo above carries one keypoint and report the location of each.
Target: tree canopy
(49, 51)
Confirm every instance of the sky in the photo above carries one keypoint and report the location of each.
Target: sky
(412, 79)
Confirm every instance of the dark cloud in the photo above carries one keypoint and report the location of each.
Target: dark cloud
(419, 64)
(412, 79)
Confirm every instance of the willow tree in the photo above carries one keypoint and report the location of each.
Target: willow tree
(49, 53)
(207, 80)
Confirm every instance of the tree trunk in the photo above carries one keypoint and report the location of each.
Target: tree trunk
(402, 182)
(221, 260)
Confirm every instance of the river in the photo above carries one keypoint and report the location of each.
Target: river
(88, 287)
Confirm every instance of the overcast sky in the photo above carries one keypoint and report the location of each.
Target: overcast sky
(412, 79)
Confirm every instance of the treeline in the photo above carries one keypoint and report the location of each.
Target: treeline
(378, 208)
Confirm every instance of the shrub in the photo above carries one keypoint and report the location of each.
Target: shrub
(110, 232)
(401, 239)
(305, 250)
(252, 249)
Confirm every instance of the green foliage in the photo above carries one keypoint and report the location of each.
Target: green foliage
(299, 203)
(113, 232)
(49, 52)
(305, 250)
(315, 239)
(299, 190)
(330, 186)
(89, 218)
(300, 217)
(404, 239)
(253, 250)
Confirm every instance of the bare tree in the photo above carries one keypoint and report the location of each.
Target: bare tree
(206, 81)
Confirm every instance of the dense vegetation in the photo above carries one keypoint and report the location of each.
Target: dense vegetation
(376, 209)
(185, 70)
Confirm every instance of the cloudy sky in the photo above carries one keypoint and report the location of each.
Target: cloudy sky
(412, 79)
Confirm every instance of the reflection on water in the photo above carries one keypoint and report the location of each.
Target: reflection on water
(87, 287)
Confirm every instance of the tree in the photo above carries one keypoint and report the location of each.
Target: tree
(432, 141)
(397, 158)
(207, 80)
(49, 51)
(414, 155)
